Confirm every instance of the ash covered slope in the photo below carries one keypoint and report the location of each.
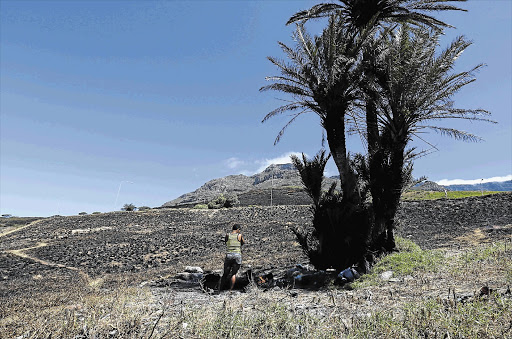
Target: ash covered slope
(276, 176)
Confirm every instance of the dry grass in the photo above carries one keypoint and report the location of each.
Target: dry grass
(431, 294)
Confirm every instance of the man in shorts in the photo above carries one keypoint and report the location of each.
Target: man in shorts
(233, 260)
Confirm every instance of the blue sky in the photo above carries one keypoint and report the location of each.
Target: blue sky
(151, 99)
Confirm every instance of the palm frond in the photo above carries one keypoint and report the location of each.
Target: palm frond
(455, 133)
(317, 11)
(281, 109)
(281, 132)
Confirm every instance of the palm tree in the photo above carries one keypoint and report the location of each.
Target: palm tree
(388, 79)
(361, 13)
(322, 77)
(358, 16)
(311, 174)
(413, 88)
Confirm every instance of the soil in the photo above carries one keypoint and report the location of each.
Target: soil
(153, 246)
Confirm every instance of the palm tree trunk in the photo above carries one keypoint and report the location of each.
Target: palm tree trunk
(394, 191)
(337, 144)
(378, 175)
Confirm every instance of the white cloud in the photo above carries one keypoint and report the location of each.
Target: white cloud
(233, 163)
(447, 182)
(283, 159)
(248, 168)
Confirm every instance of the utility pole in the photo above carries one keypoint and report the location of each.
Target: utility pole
(272, 186)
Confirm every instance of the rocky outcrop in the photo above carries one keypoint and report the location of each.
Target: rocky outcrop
(273, 177)
(430, 186)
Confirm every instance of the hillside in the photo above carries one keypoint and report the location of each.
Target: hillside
(281, 185)
(165, 240)
(274, 176)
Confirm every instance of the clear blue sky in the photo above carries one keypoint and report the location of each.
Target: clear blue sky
(164, 94)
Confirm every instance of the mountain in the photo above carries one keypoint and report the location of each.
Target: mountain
(487, 186)
(499, 186)
(274, 176)
(285, 180)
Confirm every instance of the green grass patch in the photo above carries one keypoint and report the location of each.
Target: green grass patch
(432, 195)
(409, 260)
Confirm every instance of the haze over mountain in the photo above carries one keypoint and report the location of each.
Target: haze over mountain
(285, 175)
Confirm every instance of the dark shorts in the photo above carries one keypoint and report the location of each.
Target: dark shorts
(232, 263)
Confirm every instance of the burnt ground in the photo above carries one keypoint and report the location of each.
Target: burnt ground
(162, 242)
(56, 252)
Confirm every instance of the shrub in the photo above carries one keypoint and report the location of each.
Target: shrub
(144, 208)
(201, 206)
(82, 213)
(224, 201)
(129, 207)
(96, 213)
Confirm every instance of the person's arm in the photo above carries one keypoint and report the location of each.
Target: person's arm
(242, 241)
(226, 238)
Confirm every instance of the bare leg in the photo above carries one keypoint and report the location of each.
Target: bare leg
(233, 279)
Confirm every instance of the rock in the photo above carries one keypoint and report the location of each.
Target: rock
(193, 269)
(194, 277)
(386, 275)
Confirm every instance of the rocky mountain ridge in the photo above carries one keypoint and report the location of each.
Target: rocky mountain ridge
(487, 186)
(275, 176)
(279, 182)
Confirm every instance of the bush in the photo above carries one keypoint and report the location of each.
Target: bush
(144, 208)
(201, 206)
(96, 213)
(82, 213)
(129, 207)
(224, 201)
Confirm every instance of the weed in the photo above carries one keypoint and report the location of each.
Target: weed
(410, 260)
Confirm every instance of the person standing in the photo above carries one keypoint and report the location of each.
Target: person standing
(233, 259)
